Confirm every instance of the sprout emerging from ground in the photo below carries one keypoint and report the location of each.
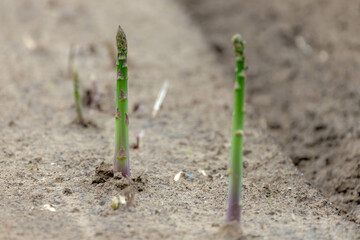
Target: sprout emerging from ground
(121, 158)
(78, 98)
(234, 208)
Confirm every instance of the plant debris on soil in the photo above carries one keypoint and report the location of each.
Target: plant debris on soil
(55, 177)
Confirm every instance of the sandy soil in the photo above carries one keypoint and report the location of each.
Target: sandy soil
(55, 179)
(303, 60)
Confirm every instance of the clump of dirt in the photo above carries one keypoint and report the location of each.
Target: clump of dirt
(102, 173)
(85, 124)
(230, 231)
(233, 231)
(105, 178)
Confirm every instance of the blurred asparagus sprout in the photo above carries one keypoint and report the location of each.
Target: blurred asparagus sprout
(78, 98)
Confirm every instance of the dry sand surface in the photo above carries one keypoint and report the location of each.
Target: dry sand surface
(55, 175)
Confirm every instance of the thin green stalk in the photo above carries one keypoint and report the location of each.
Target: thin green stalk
(121, 158)
(78, 98)
(234, 208)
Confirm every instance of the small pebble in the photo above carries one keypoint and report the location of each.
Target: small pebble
(189, 175)
(75, 210)
(247, 152)
(178, 176)
(67, 191)
(115, 203)
(49, 208)
(245, 164)
(122, 199)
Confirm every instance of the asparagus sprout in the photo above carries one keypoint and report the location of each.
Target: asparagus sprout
(138, 137)
(234, 207)
(121, 158)
(78, 98)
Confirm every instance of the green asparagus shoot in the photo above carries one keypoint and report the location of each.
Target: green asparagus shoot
(234, 201)
(121, 156)
(78, 98)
